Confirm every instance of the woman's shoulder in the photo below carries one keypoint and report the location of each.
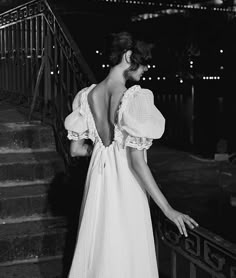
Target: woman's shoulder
(142, 91)
(78, 99)
(140, 117)
(137, 89)
(86, 89)
(137, 93)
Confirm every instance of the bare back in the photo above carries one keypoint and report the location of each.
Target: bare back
(104, 101)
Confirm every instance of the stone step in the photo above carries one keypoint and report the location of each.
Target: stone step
(4, 150)
(26, 135)
(24, 198)
(32, 237)
(48, 267)
(30, 166)
(24, 206)
(16, 188)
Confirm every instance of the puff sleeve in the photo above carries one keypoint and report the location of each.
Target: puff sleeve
(141, 120)
(76, 123)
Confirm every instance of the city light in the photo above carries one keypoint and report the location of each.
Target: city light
(170, 8)
(159, 78)
(196, 6)
(211, 77)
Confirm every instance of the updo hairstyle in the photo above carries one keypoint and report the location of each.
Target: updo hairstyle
(119, 43)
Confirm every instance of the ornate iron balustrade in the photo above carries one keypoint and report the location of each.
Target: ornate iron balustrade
(201, 255)
(40, 64)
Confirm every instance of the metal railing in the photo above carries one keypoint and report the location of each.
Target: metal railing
(41, 65)
(202, 254)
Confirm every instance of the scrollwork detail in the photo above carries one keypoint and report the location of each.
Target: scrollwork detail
(22, 12)
(42, 6)
(14, 15)
(213, 257)
(50, 19)
(30, 10)
(192, 244)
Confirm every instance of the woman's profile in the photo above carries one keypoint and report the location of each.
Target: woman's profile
(115, 236)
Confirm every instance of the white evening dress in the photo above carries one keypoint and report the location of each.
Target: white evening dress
(115, 236)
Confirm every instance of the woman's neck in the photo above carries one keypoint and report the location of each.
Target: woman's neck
(117, 74)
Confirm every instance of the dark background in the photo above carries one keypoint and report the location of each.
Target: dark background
(205, 37)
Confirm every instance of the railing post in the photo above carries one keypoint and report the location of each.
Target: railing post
(193, 273)
(192, 114)
(173, 264)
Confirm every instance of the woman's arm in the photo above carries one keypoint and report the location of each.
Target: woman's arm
(80, 148)
(144, 174)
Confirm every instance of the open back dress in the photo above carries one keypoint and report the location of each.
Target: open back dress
(115, 235)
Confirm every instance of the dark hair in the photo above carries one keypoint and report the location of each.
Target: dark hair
(119, 43)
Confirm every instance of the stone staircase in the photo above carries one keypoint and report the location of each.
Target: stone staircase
(32, 235)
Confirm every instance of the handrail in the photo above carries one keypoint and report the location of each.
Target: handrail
(42, 7)
(202, 250)
(41, 64)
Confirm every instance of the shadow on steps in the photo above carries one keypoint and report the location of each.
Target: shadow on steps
(65, 197)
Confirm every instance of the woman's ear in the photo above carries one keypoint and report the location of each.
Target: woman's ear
(127, 56)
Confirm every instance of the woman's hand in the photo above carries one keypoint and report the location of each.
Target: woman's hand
(180, 220)
(80, 148)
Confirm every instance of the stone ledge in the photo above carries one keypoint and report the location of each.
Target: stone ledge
(48, 267)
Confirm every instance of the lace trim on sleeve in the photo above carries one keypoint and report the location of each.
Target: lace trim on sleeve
(138, 142)
(76, 136)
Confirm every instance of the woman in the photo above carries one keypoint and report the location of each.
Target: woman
(115, 238)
